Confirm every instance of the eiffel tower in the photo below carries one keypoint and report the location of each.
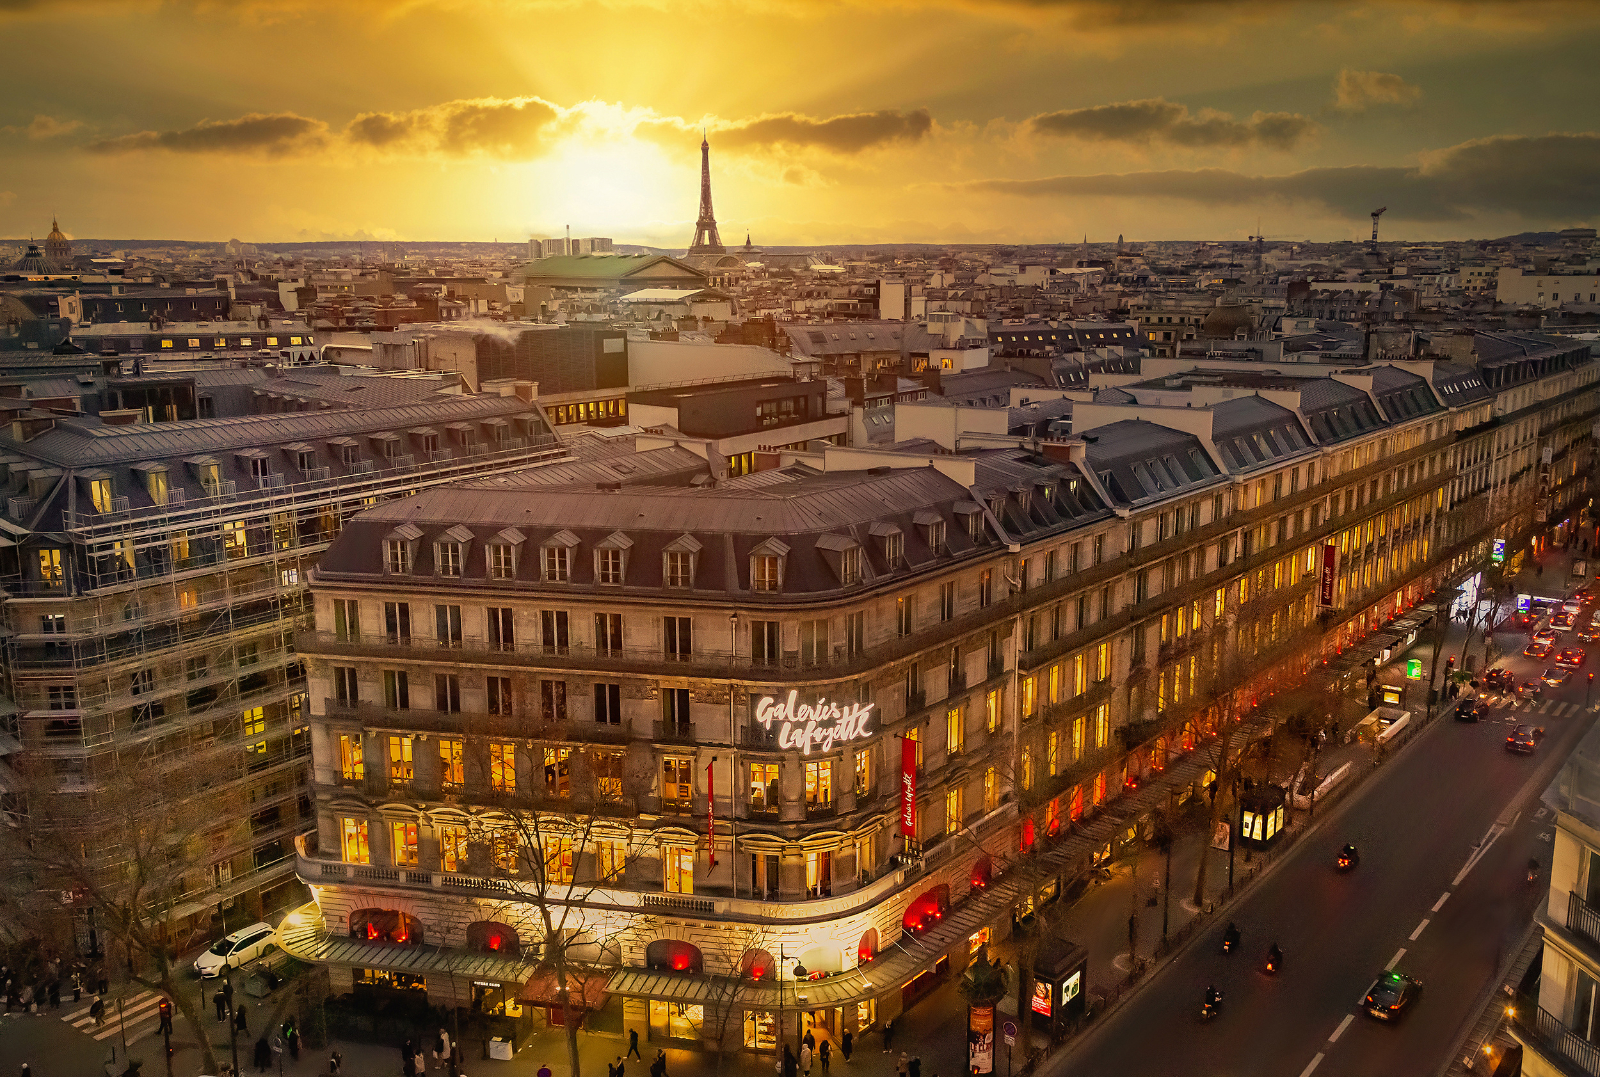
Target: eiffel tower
(706, 240)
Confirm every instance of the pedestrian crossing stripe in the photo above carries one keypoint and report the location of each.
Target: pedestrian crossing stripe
(131, 1013)
(1549, 706)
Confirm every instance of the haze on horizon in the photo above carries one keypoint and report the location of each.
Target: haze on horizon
(830, 122)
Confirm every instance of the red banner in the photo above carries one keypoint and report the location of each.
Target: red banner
(1330, 573)
(711, 812)
(908, 787)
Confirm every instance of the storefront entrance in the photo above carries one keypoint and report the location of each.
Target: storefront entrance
(676, 1021)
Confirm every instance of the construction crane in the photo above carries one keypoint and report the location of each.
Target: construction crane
(1379, 212)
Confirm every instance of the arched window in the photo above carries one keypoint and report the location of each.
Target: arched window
(673, 955)
(928, 909)
(488, 937)
(867, 948)
(757, 965)
(386, 925)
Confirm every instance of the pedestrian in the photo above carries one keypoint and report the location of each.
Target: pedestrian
(620, 1065)
(633, 1044)
(263, 1055)
(810, 1040)
(888, 1034)
(294, 1043)
(102, 981)
(848, 1044)
(55, 994)
(825, 1051)
(902, 1067)
(422, 1060)
(805, 1061)
(241, 1020)
(27, 1070)
(222, 1006)
(661, 1063)
(655, 1067)
(164, 1011)
(409, 1067)
(441, 1048)
(915, 1068)
(25, 998)
(611, 1069)
(790, 1066)
(97, 1011)
(77, 986)
(335, 1060)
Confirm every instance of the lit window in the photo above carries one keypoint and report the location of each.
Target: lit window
(679, 862)
(403, 837)
(819, 784)
(255, 725)
(452, 763)
(452, 847)
(767, 573)
(353, 841)
(503, 767)
(350, 761)
(952, 810)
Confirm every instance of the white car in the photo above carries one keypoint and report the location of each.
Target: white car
(240, 948)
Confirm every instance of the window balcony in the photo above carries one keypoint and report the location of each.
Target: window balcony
(673, 732)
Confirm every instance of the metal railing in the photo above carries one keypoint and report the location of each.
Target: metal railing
(1549, 1032)
(1582, 918)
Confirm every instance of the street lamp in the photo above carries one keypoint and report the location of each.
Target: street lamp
(800, 974)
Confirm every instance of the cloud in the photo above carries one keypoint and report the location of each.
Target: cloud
(44, 127)
(7, 197)
(1357, 91)
(1546, 178)
(1158, 120)
(849, 133)
(276, 134)
(514, 127)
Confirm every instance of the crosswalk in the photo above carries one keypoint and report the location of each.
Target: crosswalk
(1510, 706)
(137, 1014)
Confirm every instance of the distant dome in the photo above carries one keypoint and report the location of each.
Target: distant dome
(32, 262)
(56, 235)
(1225, 321)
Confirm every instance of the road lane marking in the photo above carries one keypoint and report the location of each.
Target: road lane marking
(1313, 1064)
(1444, 897)
(1418, 931)
(1342, 1026)
(1545, 707)
(1489, 839)
(1395, 960)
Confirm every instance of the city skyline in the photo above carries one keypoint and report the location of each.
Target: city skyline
(935, 123)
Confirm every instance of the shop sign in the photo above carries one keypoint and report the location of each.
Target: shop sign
(1329, 574)
(1041, 997)
(980, 1039)
(818, 725)
(1497, 553)
(908, 787)
(1414, 669)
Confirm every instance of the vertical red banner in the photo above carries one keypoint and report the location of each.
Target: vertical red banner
(908, 787)
(1330, 573)
(711, 813)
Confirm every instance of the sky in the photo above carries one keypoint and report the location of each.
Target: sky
(830, 121)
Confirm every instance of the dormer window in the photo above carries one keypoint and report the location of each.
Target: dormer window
(850, 566)
(449, 553)
(843, 555)
(555, 557)
(894, 549)
(767, 562)
(932, 525)
(972, 516)
(679, 560)
(611, 559)
(396, 556)
(501, 554)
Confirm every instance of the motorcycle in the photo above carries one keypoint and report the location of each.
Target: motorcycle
(1274, 960)
(1348, 858)
(1230, 939)
(1533, 871)
(1211, 1005)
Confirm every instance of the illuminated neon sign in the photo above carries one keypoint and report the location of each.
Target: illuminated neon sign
(818, 725)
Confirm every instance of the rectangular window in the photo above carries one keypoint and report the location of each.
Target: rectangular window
(503, 561)
(555, 564)
(448, 558)
(345, 692)
(502, 767)
(679, 569)
(864, 772)
(396, 689)
(819, 784)
(557, 762)
(452, 763)
(608, 703)
(764, 794)
(554, 634)
(954, 732)
(498, 696)
(607, 768)
(452, 848)
(402, 768)
(608, 634)
(850, 566)
(1052, 755)
(447, 625)
(610, 858)
(346, 619)
(677, 638)
(991, 710)
(985, 588)
(904, 615)
(675, 709)
(397, 555)
(608, 566)
(947, 601)
(403, 839)
(764, 638)
(502, 628)
(351, 766)
(679, 865)
(353, 841)
(765, 573)
(813, 642)
(952, 810)
(855, 633)
(553, 701)
(397, 622)
(677, 788)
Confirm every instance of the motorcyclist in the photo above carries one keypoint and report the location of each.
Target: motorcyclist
(1213, 997)
(1533, 868)
(1230, 937)
(1274, 956)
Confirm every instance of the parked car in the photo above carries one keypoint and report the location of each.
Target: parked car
(239, 948)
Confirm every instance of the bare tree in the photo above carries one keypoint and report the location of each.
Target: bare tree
(752, 967)
(133, 846)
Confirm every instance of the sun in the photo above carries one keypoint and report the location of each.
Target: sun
(614, 187)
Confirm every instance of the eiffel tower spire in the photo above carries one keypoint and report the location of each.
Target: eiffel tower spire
(706, 240)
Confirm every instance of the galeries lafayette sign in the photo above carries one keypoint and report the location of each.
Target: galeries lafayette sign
(819, 725)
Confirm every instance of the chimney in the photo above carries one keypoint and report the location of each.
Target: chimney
(855, 390)
(526, 391)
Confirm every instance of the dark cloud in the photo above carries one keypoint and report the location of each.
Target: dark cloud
(274, 134)
(1158, 120)
(499, 127)
(1356, 91)
(1545, 178)
(850, 133)
(44, 127)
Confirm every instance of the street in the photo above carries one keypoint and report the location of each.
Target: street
(1439, 885)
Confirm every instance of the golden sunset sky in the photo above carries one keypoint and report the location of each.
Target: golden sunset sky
(831, 121)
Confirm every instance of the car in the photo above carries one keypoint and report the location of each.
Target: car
(239, 948)
(1572, 657)
(1525, 739)
(1529, 690)
(1391, 995)
(1523, 620)
(1590, 634)
(1545, 635)
(1538, 649)
(1470, 710)
(1583, 594)
(1499, 680)
(1555, 676)
(1562, 622)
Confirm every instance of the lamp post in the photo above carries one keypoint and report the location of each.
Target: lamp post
(800, 973)
(1587, 689)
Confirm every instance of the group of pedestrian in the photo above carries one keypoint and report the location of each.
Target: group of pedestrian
(908, 1066)
(30, 991)
(414, 1062)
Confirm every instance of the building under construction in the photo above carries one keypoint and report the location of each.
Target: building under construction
(159, 529)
